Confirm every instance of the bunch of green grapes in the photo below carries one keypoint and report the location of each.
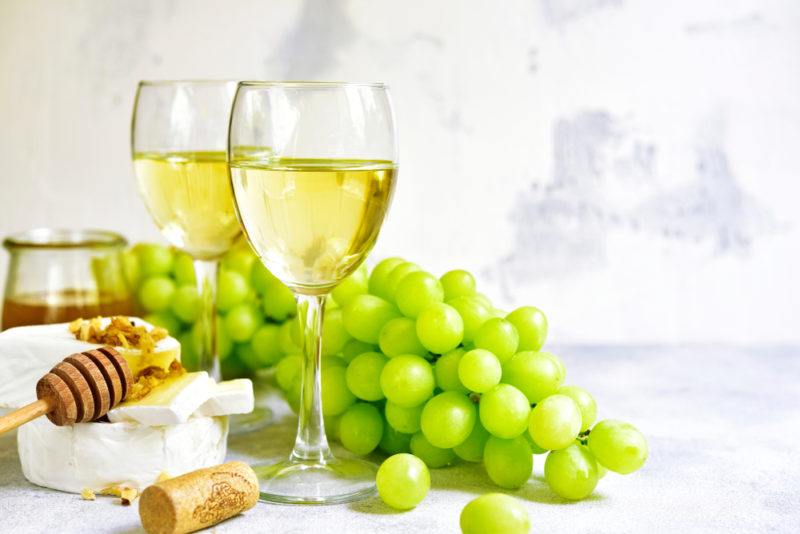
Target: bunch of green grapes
(254, 308)
(417, 364)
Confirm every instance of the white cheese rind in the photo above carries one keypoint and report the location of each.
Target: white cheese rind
(28, 352)
(229, 397)
(98, 455)
(154, 410)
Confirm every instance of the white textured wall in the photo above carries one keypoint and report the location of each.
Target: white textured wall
(631, 167)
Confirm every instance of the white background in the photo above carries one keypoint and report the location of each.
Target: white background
(631, 167)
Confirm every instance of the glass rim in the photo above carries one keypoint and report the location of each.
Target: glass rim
(157, 83)
(304, 83)
(62, 238)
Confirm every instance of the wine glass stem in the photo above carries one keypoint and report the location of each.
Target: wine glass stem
(206, 274)
(311, 443)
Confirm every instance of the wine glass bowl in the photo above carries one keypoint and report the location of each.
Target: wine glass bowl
(313, 167)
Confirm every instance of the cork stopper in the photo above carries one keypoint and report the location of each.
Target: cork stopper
(199, 499)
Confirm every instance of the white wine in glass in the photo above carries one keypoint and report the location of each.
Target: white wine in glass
(313, 167)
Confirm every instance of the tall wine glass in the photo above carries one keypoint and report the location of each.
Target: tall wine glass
(178, 140)
(313, 167)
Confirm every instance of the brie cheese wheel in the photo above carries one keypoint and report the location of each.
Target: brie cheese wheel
(28, 352)
(229, 397)
(170, 402)
(98, 455)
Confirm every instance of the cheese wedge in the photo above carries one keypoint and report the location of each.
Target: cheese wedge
(29, 352)
(98, 455)
(228, 398)
(170, 402)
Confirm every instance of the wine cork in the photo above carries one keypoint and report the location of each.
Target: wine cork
(198, 499)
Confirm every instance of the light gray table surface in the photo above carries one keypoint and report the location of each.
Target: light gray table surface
(723, 426)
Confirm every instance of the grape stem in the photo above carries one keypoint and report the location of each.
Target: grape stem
(311, 443)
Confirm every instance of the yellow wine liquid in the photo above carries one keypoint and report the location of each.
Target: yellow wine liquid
(189, 196)
(312, 221)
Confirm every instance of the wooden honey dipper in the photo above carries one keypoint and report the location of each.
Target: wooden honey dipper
(83, 387)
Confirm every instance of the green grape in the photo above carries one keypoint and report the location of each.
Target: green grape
(472, 312)
(380, 276)
(232, 290)
(329, 361)
(533, 373)
(155, 294)
(239, 259)
(495, 513)
(332, 426)
(189, 353)
(534, 447)
(416, 291)
(224, 341)
(355, 284)
(448, 419)
(364, 375)
(499, 337)
(394, 442)
(508, 462)
(131, 268)
(404, 419)
(471, 449)
(531, 325)
(445, 370)
(407, 380)
(336, 397)
(403, 481)
(154, 260)
(618, 446)
(434, 457)
(260, 277)
(361, 428)
(290, 337)
(585, 403)
(165, 320)
(483, 299)
(601, 471)
(562, 369)
(355, 347)
(571, 472)
(244, 353)
(183, 269)
(232, 367)
(334, 335)
(555, 422)
(440, 328)
(365, 315)
(266, 345)
(504, 411)
(457, 283)
(396, 276)
(293, 397)
(186, 304)
(479, 370)
(241, 322)
(278, 302)
(399, 336)
(288, 371)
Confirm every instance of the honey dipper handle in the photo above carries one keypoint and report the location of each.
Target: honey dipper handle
(25, 414)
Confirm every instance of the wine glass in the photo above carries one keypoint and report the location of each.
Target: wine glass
(313, 166)
(178, 141)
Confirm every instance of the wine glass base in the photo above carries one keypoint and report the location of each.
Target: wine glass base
(310, 482)
(260, 417)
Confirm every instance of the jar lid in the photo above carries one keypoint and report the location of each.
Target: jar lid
(50, 238)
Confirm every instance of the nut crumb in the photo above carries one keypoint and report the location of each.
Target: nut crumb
(87, 494)
(162, 476)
